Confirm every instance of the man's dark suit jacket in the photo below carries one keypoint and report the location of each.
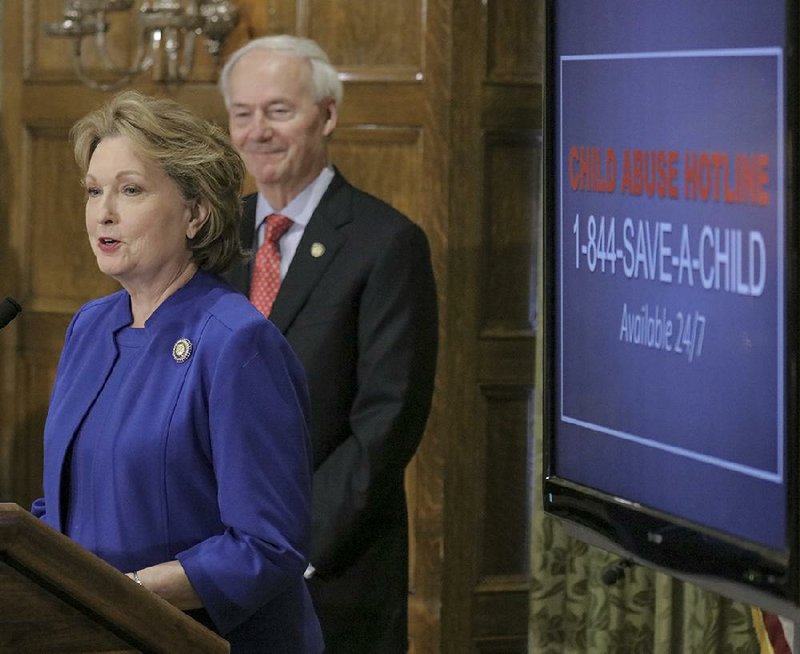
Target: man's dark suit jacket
(358, 305)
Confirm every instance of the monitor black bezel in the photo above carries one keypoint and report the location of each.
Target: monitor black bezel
(733, 566)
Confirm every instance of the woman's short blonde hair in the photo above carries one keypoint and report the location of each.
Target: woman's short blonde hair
(192, 151)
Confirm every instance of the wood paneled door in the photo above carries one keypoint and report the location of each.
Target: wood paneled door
(441, 118)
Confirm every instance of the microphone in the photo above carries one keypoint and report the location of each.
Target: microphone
(9, 308)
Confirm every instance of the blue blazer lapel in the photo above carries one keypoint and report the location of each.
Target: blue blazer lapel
(91, 364)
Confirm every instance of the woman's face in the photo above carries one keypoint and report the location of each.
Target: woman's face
(136, 218)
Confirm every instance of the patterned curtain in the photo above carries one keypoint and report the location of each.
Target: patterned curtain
(573, 612)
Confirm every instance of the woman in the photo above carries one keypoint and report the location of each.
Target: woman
(176, 443)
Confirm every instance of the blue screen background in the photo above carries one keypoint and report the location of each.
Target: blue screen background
(698, 437)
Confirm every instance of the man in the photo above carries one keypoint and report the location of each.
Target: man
(357, 302)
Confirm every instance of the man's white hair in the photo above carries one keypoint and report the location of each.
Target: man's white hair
(325, 82)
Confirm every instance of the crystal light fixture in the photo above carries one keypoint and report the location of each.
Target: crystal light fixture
(166, 35)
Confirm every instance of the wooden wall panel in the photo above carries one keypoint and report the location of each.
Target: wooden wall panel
(43, 57)
(496, 204)
(511, 214)
(500, 587)
(60, 264)
(364, 154)
(515, 41)
(501, 618)
(355, 34)
(508, 483)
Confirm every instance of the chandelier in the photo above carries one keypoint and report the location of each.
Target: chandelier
(166, 35)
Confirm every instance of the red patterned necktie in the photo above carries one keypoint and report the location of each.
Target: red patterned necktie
(267, 271)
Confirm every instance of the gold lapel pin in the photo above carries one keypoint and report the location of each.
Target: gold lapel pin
(317, 250)
(182, 350)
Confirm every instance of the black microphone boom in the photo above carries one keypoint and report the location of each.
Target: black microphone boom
(9, 308)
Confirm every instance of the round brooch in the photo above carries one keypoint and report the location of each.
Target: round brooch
(182, 350)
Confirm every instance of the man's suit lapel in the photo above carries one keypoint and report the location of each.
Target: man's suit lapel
(320, 244)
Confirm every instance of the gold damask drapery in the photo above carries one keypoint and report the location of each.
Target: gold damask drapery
(573, 612)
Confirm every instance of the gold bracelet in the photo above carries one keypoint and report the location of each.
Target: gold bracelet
(136, 578)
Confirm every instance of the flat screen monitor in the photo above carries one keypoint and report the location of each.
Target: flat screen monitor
(670, 309)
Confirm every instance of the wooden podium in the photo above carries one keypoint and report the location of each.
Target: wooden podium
(57, 597)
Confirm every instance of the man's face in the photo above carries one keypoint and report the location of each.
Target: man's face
(276, 125)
